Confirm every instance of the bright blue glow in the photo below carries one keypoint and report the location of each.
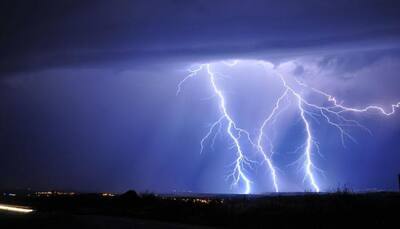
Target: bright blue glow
(293, 89)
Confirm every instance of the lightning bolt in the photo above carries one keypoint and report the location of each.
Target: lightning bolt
(238, 172)
(326, 112)
(308, 163)
(333, 114)
(232, 130)
(260, 147)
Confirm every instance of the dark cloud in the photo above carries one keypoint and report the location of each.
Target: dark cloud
(44, 34)
(351, 62)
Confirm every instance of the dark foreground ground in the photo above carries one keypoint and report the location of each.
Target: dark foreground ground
(67, 221)
(376, 210)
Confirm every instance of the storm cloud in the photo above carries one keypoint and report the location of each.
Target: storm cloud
(88, 88)
(49, 34)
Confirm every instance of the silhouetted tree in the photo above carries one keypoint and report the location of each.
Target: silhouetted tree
(130, 195)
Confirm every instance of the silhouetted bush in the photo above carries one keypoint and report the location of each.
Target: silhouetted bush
(130, 195)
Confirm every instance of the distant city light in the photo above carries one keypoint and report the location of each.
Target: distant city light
(107, 194)
(54, 193)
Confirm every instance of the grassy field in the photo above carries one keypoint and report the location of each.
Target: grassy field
(282, 211)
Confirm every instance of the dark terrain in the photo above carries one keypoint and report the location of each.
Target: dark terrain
(130, 210)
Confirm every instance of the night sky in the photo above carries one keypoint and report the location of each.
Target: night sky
(88, 91)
